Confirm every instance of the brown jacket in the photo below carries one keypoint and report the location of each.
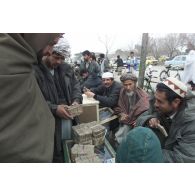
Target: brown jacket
(141, 105)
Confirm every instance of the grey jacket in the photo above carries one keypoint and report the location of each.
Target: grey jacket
(26, 123)
(93, 79)
(180, 143)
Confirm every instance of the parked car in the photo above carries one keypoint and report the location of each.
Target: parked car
(163, 58)
(150, 60)
(177, 61)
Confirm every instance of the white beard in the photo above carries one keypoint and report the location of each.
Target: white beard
(130, 93)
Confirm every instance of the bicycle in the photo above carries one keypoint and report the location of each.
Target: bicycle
(166, 73)
(148, 80)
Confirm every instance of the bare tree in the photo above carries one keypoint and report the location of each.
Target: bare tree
(131, 46)
(107, 41)
(153, 47)
(137, 48)
(190, 37)
(171, 44)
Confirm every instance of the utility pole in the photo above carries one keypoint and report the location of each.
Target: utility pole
(142, 68)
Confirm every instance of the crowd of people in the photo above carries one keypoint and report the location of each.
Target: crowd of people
(37, 86)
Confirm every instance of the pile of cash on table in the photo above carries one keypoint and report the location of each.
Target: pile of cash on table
(82, 134)
(89, 133)
(98, 135)
(84, 154)
(87, 136)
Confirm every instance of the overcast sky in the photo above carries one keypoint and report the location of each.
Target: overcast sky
(80, 41)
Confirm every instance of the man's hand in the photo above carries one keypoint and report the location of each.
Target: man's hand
(62, 112)
(85, 89)
(133, 123)
(89, 94)
(123, 116)
(154, 122)
(75, 103)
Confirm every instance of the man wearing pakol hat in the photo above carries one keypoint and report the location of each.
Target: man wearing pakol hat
(60, 89)
(133, 101)
(175, 112)
(107, 93)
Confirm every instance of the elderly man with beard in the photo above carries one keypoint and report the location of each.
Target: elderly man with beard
(133, 101)
(26, 123)
(61, 89)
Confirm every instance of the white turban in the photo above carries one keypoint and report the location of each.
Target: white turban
(107, 75)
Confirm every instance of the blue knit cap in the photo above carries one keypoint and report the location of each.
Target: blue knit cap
(141, 145)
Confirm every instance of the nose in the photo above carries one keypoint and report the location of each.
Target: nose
(128, 87)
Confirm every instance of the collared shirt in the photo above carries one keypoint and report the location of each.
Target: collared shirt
(52, 72)
(172, 116)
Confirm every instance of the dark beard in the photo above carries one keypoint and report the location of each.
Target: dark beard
(168, 114)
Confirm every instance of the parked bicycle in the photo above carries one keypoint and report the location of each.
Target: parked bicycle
(148, 80)
(166, 73)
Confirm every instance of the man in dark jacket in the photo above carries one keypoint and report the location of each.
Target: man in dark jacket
(89, 71)
(119, 63)
(107, 93)
(175, 111)
(60, 89)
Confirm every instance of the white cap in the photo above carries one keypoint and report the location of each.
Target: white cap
(107, 75)
(177, 86)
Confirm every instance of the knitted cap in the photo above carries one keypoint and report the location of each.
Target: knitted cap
(141, 145)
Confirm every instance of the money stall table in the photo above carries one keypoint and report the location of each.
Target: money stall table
(89, 145)
(105, 154)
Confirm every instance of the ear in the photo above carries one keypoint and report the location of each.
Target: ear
(176, 102)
